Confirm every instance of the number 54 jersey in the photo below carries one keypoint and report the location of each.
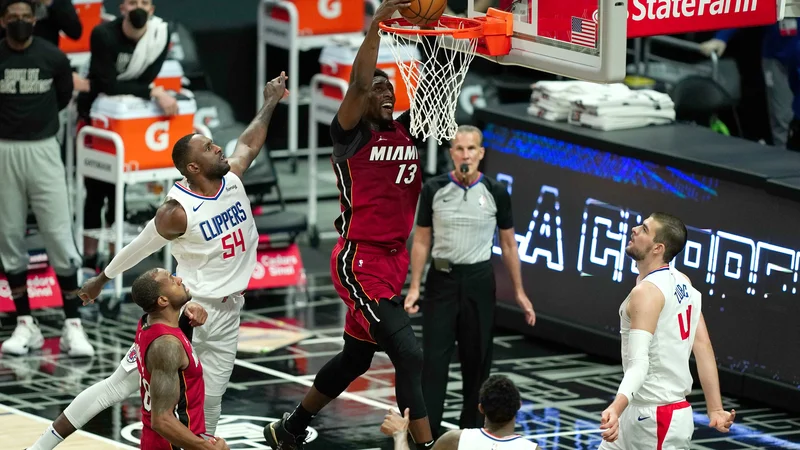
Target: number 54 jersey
(668, 378)
(217, 253)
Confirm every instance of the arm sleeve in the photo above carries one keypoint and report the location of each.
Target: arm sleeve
(638, 363)
(502, 199)
(103, 69)
(148, 242)
(63, 81)
(425, 213)
(66, 18)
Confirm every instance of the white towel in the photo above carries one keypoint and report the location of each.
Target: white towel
(611, 103)
(573, 90)
(553, 116)
(609, 123)
(148, 49)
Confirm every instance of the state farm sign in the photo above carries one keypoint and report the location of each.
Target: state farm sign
(654, 17)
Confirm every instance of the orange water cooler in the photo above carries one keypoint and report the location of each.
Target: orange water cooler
(337, 61)
(148, 135)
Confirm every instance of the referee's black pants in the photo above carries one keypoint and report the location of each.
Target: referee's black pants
(458, 306)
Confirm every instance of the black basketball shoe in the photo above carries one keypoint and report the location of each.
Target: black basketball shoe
(280, 439)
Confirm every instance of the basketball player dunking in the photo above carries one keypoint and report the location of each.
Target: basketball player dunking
(172, 387)
(208, 218)
(377, 168)
(661, 324)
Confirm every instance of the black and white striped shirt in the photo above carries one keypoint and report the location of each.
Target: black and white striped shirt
(464, 218)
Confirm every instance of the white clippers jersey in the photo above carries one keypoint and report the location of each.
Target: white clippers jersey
(217, 254)
(480, 439)
(668, 378)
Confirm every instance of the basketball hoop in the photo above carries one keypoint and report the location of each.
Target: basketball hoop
(447, 48)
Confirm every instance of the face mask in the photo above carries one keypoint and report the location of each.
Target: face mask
(19, 30)
(138, 18)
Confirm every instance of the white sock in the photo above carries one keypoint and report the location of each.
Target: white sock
(48, 441)
(212, 408)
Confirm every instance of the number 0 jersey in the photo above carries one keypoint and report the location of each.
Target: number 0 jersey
(217, 253)
(668, 378)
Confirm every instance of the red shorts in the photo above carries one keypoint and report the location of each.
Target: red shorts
(362, 275)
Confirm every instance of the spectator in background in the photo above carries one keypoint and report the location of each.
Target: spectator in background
(127, 55)
(54, 17)
(777, 53)
(36, 84)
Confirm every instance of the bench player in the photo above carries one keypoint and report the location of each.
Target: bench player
(172, 388)
(208, 218)
(499, 401)
(661, 324)
(377, 166)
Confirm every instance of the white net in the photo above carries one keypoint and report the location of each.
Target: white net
(434, 83)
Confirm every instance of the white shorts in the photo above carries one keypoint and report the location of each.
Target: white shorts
(652, 427)
(215, 343)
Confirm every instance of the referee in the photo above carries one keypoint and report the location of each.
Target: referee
(460, 211)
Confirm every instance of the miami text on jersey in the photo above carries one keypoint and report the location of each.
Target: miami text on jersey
(221, 223)
(392, 153)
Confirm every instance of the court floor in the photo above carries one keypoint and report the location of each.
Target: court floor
(287, 336)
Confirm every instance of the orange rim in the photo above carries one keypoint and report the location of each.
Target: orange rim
(457, 27)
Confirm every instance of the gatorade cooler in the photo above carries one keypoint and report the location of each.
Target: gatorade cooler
(171, 75)
(90, 14)
(317, 17)
(337, 61)
(148, 135)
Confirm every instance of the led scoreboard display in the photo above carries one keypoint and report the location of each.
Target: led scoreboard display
(574, 208)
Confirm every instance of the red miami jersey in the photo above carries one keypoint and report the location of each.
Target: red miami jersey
(379, 178)
(189, 409)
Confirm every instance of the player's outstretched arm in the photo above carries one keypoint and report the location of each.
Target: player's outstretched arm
(709, 379)
(165, 357)
(253, 138)
(354, 103)
(644, 307)
(169, 224)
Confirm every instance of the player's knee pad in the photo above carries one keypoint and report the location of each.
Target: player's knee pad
(352, 362)
(212, 408)
(405, 352)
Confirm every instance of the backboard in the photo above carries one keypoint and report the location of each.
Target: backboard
(582, 39)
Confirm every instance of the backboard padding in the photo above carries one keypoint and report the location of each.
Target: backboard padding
(556, 36)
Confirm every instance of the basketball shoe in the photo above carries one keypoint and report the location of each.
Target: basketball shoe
(74, 340)
(26, 336)
(279, 438)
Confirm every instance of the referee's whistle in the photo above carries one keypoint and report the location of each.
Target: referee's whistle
(464, 168)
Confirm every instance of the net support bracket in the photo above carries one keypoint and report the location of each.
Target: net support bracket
(498, 27)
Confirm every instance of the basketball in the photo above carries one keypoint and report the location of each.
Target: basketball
(424, 12)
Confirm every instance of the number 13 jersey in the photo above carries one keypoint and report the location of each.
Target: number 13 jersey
(668, 378)
(379, 178)
(217, 253)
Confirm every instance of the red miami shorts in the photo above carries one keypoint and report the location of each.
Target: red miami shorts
(363, 274)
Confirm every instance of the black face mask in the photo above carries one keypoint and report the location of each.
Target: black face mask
(19, 30)
(138, 18)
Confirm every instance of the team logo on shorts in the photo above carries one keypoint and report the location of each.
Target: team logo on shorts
(238, 431)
